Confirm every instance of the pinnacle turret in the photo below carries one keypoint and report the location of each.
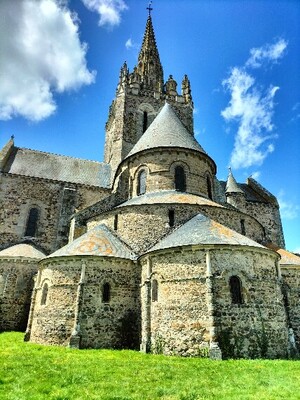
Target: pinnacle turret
(149, 67)
(231, 185)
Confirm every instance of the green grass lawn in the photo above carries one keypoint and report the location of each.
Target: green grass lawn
(29, 371)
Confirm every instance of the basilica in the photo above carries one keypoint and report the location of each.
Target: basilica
(147, 250)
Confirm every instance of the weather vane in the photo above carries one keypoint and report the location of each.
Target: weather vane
(149, 8)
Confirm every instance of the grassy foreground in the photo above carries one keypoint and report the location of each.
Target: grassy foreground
(29, 371)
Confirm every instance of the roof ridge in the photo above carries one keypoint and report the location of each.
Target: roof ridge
(59, 155)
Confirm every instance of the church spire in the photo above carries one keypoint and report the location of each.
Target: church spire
(149, 66)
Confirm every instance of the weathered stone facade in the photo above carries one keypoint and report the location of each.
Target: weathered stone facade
(161, 255)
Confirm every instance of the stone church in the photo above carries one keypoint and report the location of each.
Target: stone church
(147, 250)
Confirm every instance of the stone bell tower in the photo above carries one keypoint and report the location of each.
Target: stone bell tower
(139, 97)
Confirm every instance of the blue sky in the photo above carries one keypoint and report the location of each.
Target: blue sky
(60, 65)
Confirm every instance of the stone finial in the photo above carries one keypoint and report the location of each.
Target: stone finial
(171, 86)
(186, 89)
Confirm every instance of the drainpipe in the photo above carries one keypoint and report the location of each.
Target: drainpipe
(146, 310)
(76, 334)
(214, 349)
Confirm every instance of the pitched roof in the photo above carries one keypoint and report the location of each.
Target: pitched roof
(99, 241)
(166, 131)
(203, 230)
(39, 164)
(169, 197)
(288, 258)
(22, 250)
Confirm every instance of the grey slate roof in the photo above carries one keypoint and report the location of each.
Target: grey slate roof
(166, 131)
(39, 164)
(203, 230)
(169, 197)
(99, 241)
(22, 250)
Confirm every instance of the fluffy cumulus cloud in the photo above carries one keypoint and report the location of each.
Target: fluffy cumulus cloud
(267, 53)
(41, 54)
(109, 10)
(251, 106)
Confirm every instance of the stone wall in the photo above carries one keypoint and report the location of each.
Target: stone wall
(291, 290)
(178, 323)
(160, 167)
(141, 226)
(185, 317)
(111, 324)
(269, 216)
(56, 202)
(16, 284)
(258, 326)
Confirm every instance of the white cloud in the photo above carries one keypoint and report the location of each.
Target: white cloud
(252, 107)
(41, 53)
(109, 10)
(129, 44)
(267, 53)
(256, 175)
(288, 209)
(253, 111)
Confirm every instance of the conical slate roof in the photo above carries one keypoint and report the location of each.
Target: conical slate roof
(203, 230)
(166, 131)
(22, 250)
(99, 241)
(231, 185)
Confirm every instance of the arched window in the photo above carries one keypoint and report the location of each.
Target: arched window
(44, 294)
(145, 121)
(106, 293)
(236, 290)
(209, 191)
(154, 290)
(171, 218)
(141, 182)
(180, 184)
(116, 218)
(32, 221)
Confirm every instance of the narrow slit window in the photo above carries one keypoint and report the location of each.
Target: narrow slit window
(154, 290)
(145, 121)
(243, 229)
(236, 290)
(116, 220)
(44, 294)
(32, 222)
(171, 218)
(141, 182)
(209, 191)
(180, 183)
(106, 293)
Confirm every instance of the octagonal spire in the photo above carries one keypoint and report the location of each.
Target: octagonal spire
(149, 67)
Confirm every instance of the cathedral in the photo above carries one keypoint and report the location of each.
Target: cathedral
(147, 250)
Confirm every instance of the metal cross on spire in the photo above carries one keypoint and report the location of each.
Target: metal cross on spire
(149, 8)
